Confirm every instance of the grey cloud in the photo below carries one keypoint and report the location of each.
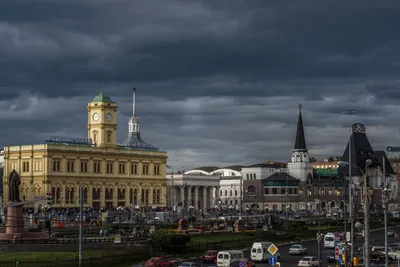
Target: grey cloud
(218, 81)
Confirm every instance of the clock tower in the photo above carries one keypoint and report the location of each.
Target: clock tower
(102, 121)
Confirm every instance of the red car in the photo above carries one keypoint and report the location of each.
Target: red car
(210, 256)
(157, 262)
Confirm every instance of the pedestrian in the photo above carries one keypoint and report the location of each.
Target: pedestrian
(101, 232)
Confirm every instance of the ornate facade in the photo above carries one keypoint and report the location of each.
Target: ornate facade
(112, 174)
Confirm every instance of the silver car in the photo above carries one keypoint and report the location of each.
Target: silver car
(297, 249)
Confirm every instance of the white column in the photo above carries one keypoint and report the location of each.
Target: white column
(182, 200)
(205, 197)
(196, 197)
(173, 197)
(214, 195)
(189, 196)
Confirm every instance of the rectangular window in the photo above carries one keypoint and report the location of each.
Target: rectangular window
(274, 190)
(266, 190)
(70, 166)
(134, 168)
(56, 165)
(84, 166)
(156, 169)
(38, 166)
(25, 166)
(108, 137)
(110, 167)
(283, 191)
(290, 191)
(96, 167)
(121, 168)
(145, 169)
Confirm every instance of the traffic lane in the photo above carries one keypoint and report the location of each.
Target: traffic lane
(312, 250)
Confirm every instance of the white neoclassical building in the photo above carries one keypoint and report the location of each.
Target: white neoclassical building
(205, 188)
(230, 193)
(195, 189)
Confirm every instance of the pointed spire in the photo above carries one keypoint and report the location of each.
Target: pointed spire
(134, 102)
(300, 143)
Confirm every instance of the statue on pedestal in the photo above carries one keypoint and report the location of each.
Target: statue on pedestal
(13, 186)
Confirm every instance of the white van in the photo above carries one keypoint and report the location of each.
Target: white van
(225, 258)
(329, 240)
(259, 252)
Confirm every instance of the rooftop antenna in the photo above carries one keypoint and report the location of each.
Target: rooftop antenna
(134, 102)
(300, 106)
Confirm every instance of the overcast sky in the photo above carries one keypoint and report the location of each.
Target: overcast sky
(218, 82)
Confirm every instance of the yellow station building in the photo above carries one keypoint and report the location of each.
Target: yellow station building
(112, 174)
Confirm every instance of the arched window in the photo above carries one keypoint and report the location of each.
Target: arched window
(154, 196)
(147, 196)
(58, 195)
(111, 193)
(220, 192)
(142, 197)
(247, 176)
(236, 193)
(230, 193)
(251, 190)
(255, 176)
(94, 194)
(121, 193)
(130, 196)
(72, 195)
(158, 196)
(226, 192)
(107, 193)
(251, 176)
(69, 195)
(135, 196)
(85, 195)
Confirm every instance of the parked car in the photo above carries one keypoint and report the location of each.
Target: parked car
(210, 256)
(308, 262)
(189, 264)
(331, 259)
(297, 249)
(157, 262)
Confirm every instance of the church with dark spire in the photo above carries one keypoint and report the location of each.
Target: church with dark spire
(300, 166)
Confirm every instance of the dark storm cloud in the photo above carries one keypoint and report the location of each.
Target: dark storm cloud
(218, 81)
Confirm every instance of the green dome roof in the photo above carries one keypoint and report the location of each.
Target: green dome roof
(102, 98)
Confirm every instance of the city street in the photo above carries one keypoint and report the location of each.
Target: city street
(312, 247)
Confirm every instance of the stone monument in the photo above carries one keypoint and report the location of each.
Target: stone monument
(15, 228)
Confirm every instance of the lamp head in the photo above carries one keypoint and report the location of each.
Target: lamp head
(368, 162)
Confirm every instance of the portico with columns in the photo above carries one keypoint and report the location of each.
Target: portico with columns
(194, 191)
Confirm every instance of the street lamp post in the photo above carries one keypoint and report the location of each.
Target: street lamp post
(366, 198)
(350, 112)
(385, 201)
(367, 191)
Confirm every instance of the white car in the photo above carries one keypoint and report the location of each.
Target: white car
(308, 262)
(297, 250)
(392, 254)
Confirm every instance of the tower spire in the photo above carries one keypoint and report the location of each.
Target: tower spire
(134, 102)
(300, 143)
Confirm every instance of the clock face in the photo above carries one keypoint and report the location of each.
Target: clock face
(358, 128)
(108, 116)
(96, 116)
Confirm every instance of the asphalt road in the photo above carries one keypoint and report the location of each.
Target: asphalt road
(312, 247)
